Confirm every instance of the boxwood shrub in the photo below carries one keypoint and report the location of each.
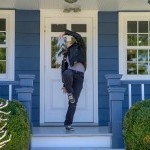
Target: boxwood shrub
(136, 126)
(18, 126)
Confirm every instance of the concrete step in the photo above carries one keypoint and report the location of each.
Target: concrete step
(82, 137)
(70, 148)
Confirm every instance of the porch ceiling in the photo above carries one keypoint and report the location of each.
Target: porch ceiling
(102, 5)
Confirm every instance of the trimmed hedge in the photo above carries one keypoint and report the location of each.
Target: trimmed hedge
(18, 126)
(137, 126)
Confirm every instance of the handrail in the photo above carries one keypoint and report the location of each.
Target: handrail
(142, 83)
(9, 82)
(135, 81)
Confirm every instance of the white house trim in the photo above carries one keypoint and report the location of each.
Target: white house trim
(123, 18)
(59, 13)
(9, 15)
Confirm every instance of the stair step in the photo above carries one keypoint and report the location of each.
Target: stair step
(49, 137)
(70, 148)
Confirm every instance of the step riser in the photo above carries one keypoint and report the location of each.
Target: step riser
(72, 141)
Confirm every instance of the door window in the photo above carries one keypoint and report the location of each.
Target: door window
(56, 44)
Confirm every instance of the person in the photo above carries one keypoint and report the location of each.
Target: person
(73, 75)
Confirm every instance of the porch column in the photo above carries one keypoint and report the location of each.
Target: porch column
(113, 80)
(25, 92)
(116, 96)
(25, 97)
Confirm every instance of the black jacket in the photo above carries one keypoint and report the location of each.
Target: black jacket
(77, 51)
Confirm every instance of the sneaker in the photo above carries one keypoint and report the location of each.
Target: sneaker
(69, 128)
(71, 98)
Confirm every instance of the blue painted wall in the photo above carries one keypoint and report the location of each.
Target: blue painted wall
(107, 58)
(27, 52)
(108, 63)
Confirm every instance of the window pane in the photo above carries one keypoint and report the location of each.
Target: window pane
(143, 26)
(2, 24)
(142, 55)
(131, 68)
(2, 38)
(143, 40)
(2, 67)
(132, 40)
(58, 27)
(132, 27)
(132, 55)
(2, 54)
(56, 48)
(78, 27)
(143, 68)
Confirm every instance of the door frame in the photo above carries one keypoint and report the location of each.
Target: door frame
(44, 13)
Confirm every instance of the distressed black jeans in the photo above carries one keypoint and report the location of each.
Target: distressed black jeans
(73, 82)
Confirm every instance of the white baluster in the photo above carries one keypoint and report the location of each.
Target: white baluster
(10, 91)
(130, 95)
(142, 92)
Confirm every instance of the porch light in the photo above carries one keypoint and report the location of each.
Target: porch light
(71, 7)
(71, 1)
(68, 10)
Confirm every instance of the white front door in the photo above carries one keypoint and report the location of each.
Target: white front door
(55, 101)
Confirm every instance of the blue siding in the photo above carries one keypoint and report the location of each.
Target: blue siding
(108, 63)
(27, 52)
(108, 58)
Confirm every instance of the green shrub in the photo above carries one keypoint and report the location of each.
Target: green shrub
(18, 126)
(137, 126)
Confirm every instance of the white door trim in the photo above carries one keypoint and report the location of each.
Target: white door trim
(59, 13)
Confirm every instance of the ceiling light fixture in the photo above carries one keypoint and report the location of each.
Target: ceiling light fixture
(75, 10)
(71, 1)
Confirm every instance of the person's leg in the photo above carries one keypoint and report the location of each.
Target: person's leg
(68, 80)
(77, 87)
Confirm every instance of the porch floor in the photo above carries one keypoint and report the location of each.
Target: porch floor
(61, 131)
(85, 135)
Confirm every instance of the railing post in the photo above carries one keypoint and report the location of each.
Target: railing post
(25, 97)
(113, 80)
(116, 96)
(25, 93)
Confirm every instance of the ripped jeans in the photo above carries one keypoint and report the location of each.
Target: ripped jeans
(73, 82)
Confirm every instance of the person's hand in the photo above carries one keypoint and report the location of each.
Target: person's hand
(64, 90)
(61, 35)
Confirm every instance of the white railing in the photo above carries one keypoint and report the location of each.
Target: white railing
(116, 92)
(141, 83)
(10, 85)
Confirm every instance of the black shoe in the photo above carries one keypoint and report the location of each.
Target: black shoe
(69, 128)
(71, 98)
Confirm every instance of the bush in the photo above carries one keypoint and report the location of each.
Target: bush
(18, 126)
(137, 126)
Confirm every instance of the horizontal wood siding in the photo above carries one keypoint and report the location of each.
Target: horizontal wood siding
(27, 52)
(107, 58)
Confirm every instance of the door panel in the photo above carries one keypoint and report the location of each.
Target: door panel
(56, 102)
